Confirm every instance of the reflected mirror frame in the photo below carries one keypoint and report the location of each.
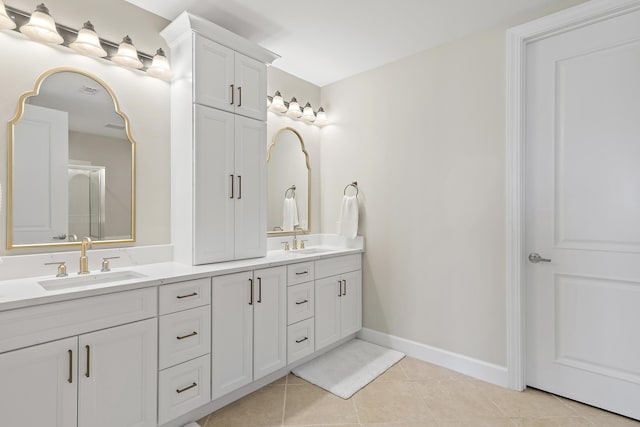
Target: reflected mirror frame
(306, 155)
(21, 102)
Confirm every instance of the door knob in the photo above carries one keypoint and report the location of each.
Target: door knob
(536, 258)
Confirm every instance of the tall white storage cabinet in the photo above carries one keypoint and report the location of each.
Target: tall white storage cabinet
(218, 142)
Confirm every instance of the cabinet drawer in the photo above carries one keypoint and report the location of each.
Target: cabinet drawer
(34, 325)
(338, 265)
(184, 295)
(300, 340)
(299, 302)
(183, 387)
(184, 335)
(299, 273)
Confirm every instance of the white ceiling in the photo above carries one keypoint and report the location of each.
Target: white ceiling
(324, 41)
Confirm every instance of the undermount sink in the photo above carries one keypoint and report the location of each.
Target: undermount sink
(89, 279)
(310, 251)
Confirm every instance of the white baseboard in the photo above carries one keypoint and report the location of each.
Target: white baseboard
(479, 369)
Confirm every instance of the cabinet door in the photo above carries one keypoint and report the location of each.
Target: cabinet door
(213, 75)
(39, 385)
(232, 332)
(118, 376)
(251, 86)
(327, 313)
(214, 182)
(351, 303)
(269, 321)
(251, 194)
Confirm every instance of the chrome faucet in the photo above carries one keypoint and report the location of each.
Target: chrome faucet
(84, 261)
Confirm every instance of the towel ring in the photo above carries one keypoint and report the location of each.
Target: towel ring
(354, 184)
(293, 192)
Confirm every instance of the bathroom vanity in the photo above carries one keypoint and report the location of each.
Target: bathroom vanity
(195, 337)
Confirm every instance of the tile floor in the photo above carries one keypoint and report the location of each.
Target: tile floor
(410, 394)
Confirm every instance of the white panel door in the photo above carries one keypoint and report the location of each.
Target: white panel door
(251, 194)
(231, 332)
(214, 179)
(213, 74)
(118, 376)
(40, 178)
(269, 321)
(351, 303)
(251, 86)
(583, 214)
(327, 311)
(39, 385)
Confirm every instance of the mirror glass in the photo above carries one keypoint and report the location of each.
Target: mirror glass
(71, 164)
(289, 183)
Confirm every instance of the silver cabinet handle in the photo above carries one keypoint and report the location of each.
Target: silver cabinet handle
(536, 258)
(60, 237)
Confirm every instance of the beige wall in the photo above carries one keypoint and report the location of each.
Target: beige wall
(144, 99)
(425, 139)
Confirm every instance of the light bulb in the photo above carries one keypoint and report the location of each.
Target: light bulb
(127, 55)
(41, 27)
(6, 22)
(160, 68)
(88, 42)
(294, 108)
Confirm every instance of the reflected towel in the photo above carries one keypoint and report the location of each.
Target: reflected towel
(289, 214)
(348, 225)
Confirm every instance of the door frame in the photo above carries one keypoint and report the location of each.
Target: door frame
(518, 38)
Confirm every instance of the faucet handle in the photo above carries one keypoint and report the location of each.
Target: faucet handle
(62, 267)
(105, 263)
(286, 246)
(302, 243)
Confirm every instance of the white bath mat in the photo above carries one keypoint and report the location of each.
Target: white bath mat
(346, 369)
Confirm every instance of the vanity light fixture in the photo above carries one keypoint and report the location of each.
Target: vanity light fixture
(308, 114)
(294, 108)
(41, 27)
(160, 68)
(277, 104)
(127, 55)
(6, 23)
(88, 42)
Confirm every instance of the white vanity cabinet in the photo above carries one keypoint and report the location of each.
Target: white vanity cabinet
(100, 379)
(218, 149)
(338, 299)
(248, 327)
(228, 80)
(90, 362)
(230, 195)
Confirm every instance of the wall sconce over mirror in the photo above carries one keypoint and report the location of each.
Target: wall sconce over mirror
(41, 27)
(277, 104)
(71, 164)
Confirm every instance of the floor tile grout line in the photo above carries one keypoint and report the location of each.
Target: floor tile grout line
(284, 403)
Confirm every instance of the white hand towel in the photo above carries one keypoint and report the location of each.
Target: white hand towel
(349, 217)
(289, 214)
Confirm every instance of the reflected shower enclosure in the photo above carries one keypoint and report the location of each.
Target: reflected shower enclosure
(86, 201)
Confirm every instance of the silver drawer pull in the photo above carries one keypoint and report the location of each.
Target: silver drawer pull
(301, 273)
(192, 334)
(302, 340)
(187, 296)
(302, 302)
(189, 387)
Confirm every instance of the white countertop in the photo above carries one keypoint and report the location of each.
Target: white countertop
(25, 292)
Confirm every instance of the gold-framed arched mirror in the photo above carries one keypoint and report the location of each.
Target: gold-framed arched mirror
(71, 164)
(289, 183)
